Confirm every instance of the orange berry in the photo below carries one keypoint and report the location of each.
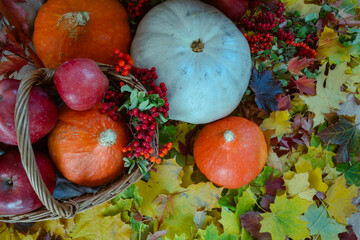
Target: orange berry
(165, 151)
(151, 150)
(146, 155)
(124, 149)
(158, 160)
(169, 145)
(161, 155)
(152, 159)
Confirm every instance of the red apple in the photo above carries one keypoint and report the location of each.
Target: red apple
(233, 9)
(43, 112)
(16, 193)
(80, 83)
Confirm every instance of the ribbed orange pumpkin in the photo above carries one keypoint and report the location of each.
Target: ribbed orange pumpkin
(230, 152)
(66, 29)
(86, 146)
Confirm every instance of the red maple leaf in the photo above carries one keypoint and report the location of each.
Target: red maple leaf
(295, 65)
(306, 85)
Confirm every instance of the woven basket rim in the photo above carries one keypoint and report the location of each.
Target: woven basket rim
(65, 208)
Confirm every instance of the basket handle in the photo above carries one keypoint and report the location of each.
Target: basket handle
(42, 75)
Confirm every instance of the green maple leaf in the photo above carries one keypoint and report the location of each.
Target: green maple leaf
(346, 135)
(318, 157)
(321, 223)
(211, 233)
(284, 218)
(351, 172)
(328, 92)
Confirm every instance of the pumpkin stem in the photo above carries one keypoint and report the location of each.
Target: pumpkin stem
(197, 45)
(229, 136)
(107, 138)
(73, 20)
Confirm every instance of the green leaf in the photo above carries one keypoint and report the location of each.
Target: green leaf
(346, 135)
(274, 56)
(167, 134)
(284, 218)
(126, 88)
(303, 31)
(230, 221)
(351, 172)
(321, 223)
(211, 233)
(310, 17)
(143, 105)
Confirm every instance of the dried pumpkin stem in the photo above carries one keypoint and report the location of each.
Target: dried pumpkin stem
(197, 45)
(107, 138)
(229, 136)
(73, 20)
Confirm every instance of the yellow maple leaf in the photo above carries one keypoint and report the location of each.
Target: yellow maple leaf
(315, 180)
(299, 185)
(328, 95)
(8, 233)
(331, 174)
(302, 166)
(301, 6)
(57, 227)
(93, 225)
(185, 201)
(339, 198)
(330, 47)
(278, 120)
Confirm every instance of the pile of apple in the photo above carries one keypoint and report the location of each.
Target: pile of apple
(81, 85)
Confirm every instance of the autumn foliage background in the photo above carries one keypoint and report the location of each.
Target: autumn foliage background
(308, 109)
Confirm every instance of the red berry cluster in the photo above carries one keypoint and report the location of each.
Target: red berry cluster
(144, 75)
(266, 20)
(287, 37)
(136, 9)
(259, 42)
(311, 40)
(304, 50)
(111, 103)
(124, 63)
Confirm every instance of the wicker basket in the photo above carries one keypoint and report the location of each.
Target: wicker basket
(67, 208)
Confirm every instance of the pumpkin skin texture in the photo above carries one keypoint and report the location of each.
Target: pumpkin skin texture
(86, 146)
(230, 152)
(66, 29)
(205, 80)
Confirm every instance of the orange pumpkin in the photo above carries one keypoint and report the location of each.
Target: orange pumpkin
(230, 152)
(66, 29)
(86, 146)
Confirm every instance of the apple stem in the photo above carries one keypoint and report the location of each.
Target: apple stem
(107, 138)
(10, 182)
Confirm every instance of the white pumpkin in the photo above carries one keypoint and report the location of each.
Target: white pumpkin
(199, 54)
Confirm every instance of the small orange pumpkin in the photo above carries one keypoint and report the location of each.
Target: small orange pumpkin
(230, 152)
(86, 146)
(81, 29)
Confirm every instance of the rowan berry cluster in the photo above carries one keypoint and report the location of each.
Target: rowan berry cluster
(136, 8)
(265, 20)
(124, 63)
(143, 122)
(303, 50)
(259, 42)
